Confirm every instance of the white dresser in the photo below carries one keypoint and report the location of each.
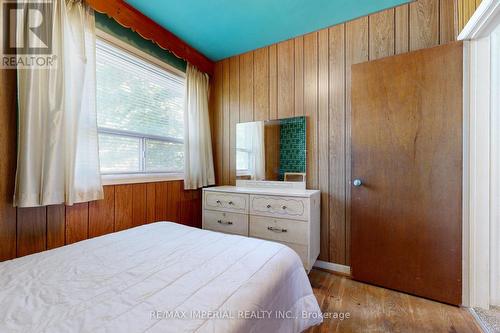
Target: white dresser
(285, 215)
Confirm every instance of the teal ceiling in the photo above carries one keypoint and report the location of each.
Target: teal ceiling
(222, 28)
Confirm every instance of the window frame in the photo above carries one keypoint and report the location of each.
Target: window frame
(249, 153)
(115, 178)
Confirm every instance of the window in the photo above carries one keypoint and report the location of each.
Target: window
(243, 149)
(140, 113)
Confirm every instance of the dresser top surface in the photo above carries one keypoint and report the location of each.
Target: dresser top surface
(263, 191)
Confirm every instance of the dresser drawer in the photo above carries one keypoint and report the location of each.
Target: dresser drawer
(227, 202)
(290, 208)
(231, 223)
(281, 230)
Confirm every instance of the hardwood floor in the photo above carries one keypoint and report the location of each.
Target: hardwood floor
(368, 308)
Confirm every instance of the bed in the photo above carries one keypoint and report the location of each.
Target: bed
(160, 277)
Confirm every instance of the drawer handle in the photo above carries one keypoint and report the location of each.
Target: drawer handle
(218, 202)
(230, 202)
(224, 222)
(276, 229)
(283, 207)
(268, 206)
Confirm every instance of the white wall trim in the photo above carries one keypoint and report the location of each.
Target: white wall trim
(483, 21)
(465, 179)
(481, 233)
(479, 168)
(495, 170)
(333, 267)
(121, 179)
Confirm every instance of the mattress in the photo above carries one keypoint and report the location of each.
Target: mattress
(160, 277)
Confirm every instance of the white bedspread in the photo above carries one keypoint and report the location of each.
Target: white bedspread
(161, 277)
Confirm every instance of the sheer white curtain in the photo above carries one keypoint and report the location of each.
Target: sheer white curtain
(198, 159)
(58, 159)
(258, 156)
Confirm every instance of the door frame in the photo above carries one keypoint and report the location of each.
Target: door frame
(481, 217)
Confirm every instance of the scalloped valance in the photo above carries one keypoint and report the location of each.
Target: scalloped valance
(130, 17)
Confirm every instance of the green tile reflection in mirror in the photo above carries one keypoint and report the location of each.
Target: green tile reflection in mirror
(267, 150)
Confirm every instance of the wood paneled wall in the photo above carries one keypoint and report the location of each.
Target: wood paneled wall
(7, 163)
(465, 9)
(123, 207)
(310, 75)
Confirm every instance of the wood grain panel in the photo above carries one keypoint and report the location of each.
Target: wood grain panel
(272, 142)
(102, 214)
(7, 163)
(356, 52)
(216, 122)
(139, 206)
(261, 84)
(246, 87)
(323, 140)
(394, 31)
(124, 207)
(424, 24)
(56, 216)
(31, 230)
(273, 82)
(226, 148)
(130, 205)
(299, 76)
(175, 195)
(337, 204)
(311, 106)
(161, 201)
(286, 65)
(472, 9)
(460, 14)
(150, 202)
(448, 27)
(464, 11)
(234, 115)
(77, 222)
(382, 34)
(44, 228)
(196, 204)
(190, 207)
(402, 33)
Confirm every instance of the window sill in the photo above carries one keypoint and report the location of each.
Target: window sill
(140, 178)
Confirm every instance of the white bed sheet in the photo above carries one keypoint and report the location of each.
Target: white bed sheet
(161, 277)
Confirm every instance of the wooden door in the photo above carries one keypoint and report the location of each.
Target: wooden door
(406, 216)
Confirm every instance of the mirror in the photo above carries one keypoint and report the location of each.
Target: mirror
(271, 150)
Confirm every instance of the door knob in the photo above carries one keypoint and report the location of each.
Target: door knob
(357, 182)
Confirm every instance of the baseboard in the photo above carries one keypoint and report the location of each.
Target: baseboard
(333, 267)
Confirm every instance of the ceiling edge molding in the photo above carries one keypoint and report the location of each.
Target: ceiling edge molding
(131, 18)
